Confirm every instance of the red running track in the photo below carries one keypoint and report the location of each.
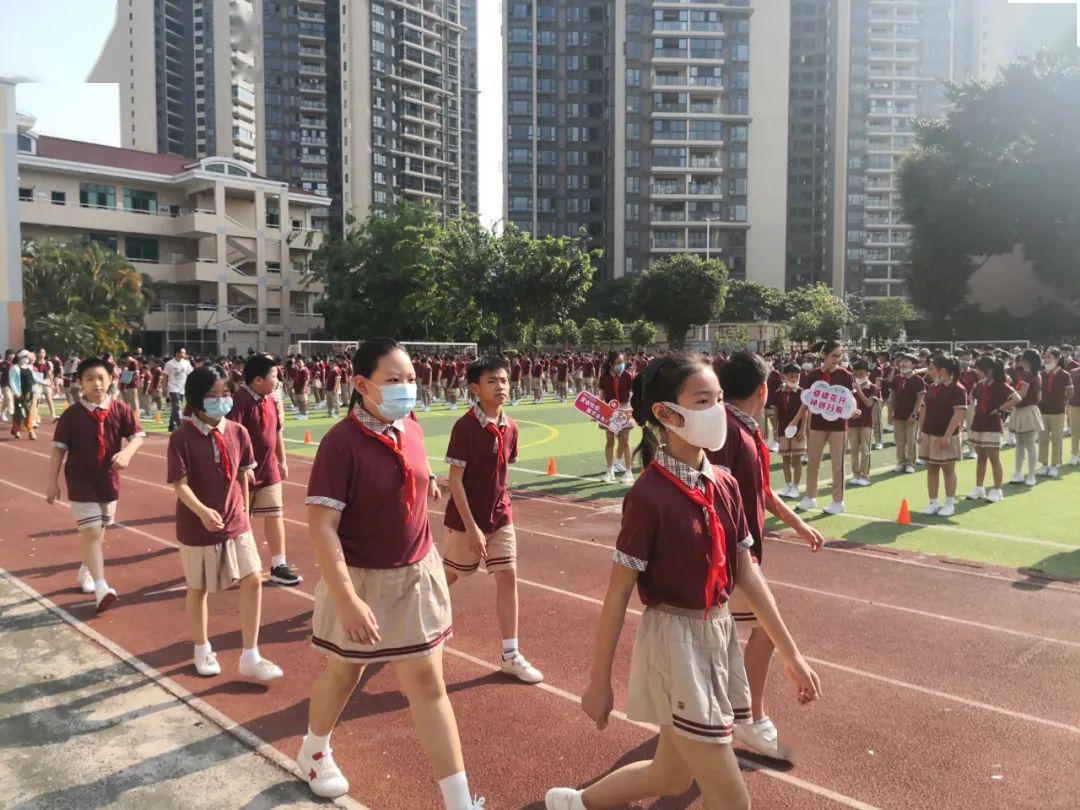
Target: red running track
(944, 686)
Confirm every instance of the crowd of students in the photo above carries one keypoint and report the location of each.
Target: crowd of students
(690, 543)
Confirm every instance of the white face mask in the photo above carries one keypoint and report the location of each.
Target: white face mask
(707, 428)
(1050, 364)
(807, 366)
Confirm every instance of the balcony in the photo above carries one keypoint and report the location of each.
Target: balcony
(71, 214)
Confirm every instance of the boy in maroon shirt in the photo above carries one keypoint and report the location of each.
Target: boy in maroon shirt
(479, 522)
(333, 388)
(861, 427)
(254, 408)
(792, 448)
(90, 434)
(1057, 390)
(300, 382)
(905, 401)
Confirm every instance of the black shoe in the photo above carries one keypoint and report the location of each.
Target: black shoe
(285, 575)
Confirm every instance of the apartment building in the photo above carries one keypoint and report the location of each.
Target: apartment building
(657, 127)
(226, 247)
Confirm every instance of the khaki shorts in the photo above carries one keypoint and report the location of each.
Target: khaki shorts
(219, 567)
(791, 447)
(268, 501)
(411, 605)
(931, 451)
(89, 514)
(687, 672)
(501, 552)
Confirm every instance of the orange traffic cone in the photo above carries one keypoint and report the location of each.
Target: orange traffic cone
(157, 417)
(904, 518)
(551, 467)
(307, 437)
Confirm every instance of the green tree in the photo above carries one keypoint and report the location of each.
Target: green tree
(592, 332)
(612, 332)
(886, 317)
(816, 314)
(552, 335)
(679, 291)
(611, 298)
(571, 335)
(82, 297)
(749, 301)
(642, 333)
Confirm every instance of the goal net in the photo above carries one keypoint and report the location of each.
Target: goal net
(996, 345)
(310, 348)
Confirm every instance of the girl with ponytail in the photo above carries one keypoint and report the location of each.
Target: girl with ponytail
(684, 540)
(991, 399)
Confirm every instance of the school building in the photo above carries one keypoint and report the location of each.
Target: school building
(226, 247)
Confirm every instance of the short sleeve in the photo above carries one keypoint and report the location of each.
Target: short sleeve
(330, 483)
(177, 457)
(512, 457)
(247, 452)
(457, 451)
(637, 535)
(130, 426)
(62, 434)
(738, 515)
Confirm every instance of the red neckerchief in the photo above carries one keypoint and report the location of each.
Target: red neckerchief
(900, 383)
(219, 440)
(763, 457)
(493, 429)
(826, 376)
(100, 415)
(408, 487)
(933, 391)
(984, 398)
(1048, 381)
(717, 577)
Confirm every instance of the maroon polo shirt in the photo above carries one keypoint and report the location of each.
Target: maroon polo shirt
(740, 455)
(941, 400)
(260, 416)
(515, 371)
(561, 370)
(360, 476)
(774, 382)
(423, 375)
(1075, 401)
(486, 475)
(1034, 390)
(301, 378)
(664, 536)
(1055, 386)
(866, 418)
(986, 398)
(905, 395)
(89, 480)
(195, 455)
(788, 401)
(838, 376)
(616, 389)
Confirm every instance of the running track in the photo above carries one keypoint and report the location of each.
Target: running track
(945, 685)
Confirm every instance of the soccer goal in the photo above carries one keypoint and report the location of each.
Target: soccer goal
(1005, 345)
(422, 348)
(310, 348)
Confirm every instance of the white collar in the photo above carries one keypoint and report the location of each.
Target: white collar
(90, 406)
(485, 420)
(204, 428)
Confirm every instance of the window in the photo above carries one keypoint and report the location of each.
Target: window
(59, 198)
(26, 144)
(95, 196)
(26, 194)
(106, 240)
(141, 249)
(144, 202)
(633, 77)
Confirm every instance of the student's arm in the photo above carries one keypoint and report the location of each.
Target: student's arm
(356, 618)
(957, 421)
(598, 698)
(1010, 404)
(477, 541)
(791, 519)
(52, 483)
(802, 421)
(757, 593)
(917, 411)
(282, 459)
(211, 518)
(122, 459)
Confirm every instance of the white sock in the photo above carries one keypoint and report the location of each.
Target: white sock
(201, 651)
(276, 560)
(100, 587)
(510, 648)
(455, 791)
(314, 744)
(83, 570)
(250, 656)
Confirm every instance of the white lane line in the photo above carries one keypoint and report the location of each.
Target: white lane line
(1015, 538)
(223, 721)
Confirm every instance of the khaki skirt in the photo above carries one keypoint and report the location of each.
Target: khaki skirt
(931, 451)
(220, 566)
(990, 439)
(411, 605)
(1026, 420)
(687, 672)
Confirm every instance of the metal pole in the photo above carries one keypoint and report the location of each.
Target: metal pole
(708, 243)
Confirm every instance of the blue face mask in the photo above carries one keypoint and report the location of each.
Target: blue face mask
(217, 408)
(618, 368)
(398, 400)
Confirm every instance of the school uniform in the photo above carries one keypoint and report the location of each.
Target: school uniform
(788, 401)
(91, 435)
(213, 458)
(987, 420)
(333, 387)
(300, 381)
(682, 530)
(377, 476)
(537, 378)
(861, 432)
(616, 391)
(905, 398)
(1026, 418)
(941, 402)
(484, 449)
(773, 383)
(823, 430)
(968, 379)
(1074, 412)
(259, 415)
(1055, 393)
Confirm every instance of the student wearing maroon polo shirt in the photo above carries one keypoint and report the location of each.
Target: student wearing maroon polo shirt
(968, 378)
(423, 379)
(885, 389)
(991, 399)
(684, 544)
(745, 454)
(300, 382)
(614, 383)
(562, 377)
(944, 411)
(792, 448)
(436, 378)
(515, 381)
(588, 373)
(1074, 417)
(254, 408)
(333, 388)
(209, 465)
(479, 524)
(905, 402)
(536, 380)
(861, 428)
(1057, 390)
(1026, 421)
(46, 370)
(825, 433)
(383, 594)
(449, 372)
(87, 443)
(776, 380)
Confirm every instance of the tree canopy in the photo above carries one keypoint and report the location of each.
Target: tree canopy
(679, 291)
(749, 301)
(816, 314)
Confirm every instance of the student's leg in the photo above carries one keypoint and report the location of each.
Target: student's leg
(815, 448)
(982, 455)
(949, 473)
(609, 448)
(275, 534)
(1031, 452)
(329, 694)
(301, 404)
(877, 421)
(506, 603)
(666, 774)
(756, 657)
(785, 460)
(196, 614)
(1057, 439)
(796, 468)
(716, 772)
(900, 437)
(837, 440)
(933, 476)
(250, 609)
(92, 555)
(624, 450)
(1074, 422)
(48, 395)
(911, 438)
(993, 455)
(865, 457)
(1044, 444)
(421, 681)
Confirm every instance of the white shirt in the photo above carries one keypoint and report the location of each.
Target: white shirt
(177, 372)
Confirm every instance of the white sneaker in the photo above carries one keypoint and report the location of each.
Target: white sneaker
(889, 429)
(627, 478)
(919, 462)
(619, 468)
(909, 469)
(261, 670)
(1030, 481)
(608, 477)
(774, 447)
(789, 491)
(977, 494)
(518, 667)
(563, 799)
(1018, 479)
(932, 508)
(84, 580)
(835, 508)
(899, 468)
(762, 738)
(207, 665)
(995, 496)
(879, 446)
(949, 509)
(1043, 471)
(1074, 461)
(806, 504)
(323, 775)
(1053, 472)
(104, 598)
